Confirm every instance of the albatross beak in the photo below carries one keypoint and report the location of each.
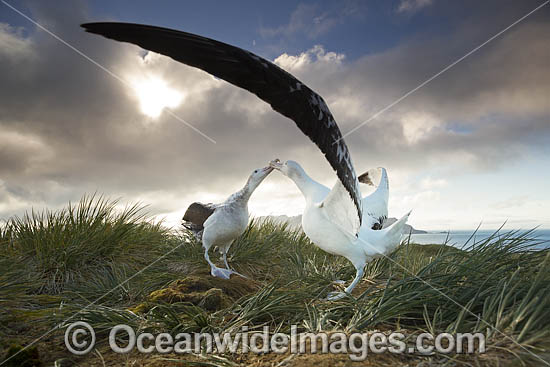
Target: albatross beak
(276, 164)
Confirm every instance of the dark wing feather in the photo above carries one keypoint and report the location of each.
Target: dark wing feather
(196, 214)
(286, 94)
(365, 178)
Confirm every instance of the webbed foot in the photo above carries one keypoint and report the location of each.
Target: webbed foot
(221, 273)
(334, 296)
(225, 273)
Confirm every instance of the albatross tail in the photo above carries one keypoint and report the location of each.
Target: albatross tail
(382, 242)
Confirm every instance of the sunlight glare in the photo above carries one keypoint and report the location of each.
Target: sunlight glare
(154, 95)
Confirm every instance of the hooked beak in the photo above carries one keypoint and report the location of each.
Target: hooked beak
(263, 172)
(276, 164)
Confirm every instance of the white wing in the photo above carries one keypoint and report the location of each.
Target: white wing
(375, 205)
(340, 209)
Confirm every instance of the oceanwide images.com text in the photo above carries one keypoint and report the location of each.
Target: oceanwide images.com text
(80, 339)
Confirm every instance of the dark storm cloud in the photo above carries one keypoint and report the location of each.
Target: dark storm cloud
(69, 128)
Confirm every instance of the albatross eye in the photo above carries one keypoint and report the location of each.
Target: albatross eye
(255, 171)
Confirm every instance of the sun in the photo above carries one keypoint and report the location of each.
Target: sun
(154, 95)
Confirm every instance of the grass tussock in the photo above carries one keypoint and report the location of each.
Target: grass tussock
(86, 262)
(65, 247)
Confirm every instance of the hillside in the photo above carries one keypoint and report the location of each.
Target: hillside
(90, 262)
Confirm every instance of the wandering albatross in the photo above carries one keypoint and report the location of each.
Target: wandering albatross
(342, 207)
(220, 224)
(319, 224)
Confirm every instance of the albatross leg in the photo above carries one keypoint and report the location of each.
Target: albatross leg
(333, 296)
(224, 252)
(225, 259)
(358, 276)
(219, 272)
(214, 270)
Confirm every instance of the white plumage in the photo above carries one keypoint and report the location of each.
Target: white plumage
(328, 220)
(220, 224)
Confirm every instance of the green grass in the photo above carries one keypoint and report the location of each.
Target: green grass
(65, 247)
(53, 264)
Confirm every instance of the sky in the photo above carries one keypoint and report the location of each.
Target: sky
(80, 114)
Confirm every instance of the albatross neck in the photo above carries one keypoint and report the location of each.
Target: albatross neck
(244, 194)
(304, 183)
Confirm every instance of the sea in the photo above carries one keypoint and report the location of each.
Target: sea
(460, 238)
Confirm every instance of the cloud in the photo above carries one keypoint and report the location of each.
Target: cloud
(418, 125)
(310, 20)
(316, 56)
(304, 19)
(511, 203)
(68, 128)
(14, 45)
(482, 114)
(420, 199)
(22, 152)
(411, 6)
(429, 183)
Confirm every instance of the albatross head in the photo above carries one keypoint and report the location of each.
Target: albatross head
(290, 169)
(258, 176)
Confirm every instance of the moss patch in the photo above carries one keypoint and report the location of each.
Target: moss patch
(22, 357)
(209, 293)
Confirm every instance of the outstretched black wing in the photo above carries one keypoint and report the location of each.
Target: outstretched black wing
(286, 94)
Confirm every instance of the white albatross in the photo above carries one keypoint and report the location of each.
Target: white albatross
(319, 221)
(341, 209)
(220, 224)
